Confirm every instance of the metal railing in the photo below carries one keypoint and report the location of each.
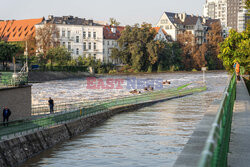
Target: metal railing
(85, 109)
(217, 144)
(9, 79)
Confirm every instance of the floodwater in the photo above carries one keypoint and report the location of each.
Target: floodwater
(151, 136)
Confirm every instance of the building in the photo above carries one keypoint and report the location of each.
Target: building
(18, 30)
(161, 34)
(80, 36)
(216, 9)
(230, 12)
(178, 23)
(110, 34)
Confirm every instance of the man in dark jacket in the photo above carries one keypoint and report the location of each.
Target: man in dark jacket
(51, 105)
(6, 115)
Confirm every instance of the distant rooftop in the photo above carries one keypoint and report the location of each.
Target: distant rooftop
(69, 20)
(185, 19)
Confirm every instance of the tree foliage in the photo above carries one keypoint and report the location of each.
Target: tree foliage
(7, 52)
(58, 55)
(236, 48)
(46, 38)
(114, 22)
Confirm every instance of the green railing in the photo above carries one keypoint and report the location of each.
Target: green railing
(9, 79)
(85, 109)
(217, 144)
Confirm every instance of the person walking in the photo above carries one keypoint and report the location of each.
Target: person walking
(51, 105)
(6, 115)
(237, 70)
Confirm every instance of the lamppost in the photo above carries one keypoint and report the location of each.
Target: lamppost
(26, 56)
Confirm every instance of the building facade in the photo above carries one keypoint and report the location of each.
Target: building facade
(80, 36)
(178, 23)
(216, 9)
(230, 12)
(110, 34)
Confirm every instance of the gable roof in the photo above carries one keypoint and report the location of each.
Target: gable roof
(109, 34)
(189, 19)
(18, 30)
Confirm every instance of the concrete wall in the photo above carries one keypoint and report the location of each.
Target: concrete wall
(37, 76)
(18, 100)
(15, 151)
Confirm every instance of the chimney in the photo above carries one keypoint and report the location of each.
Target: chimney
(50, 17)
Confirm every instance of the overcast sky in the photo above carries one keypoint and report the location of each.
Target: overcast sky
(125, 11)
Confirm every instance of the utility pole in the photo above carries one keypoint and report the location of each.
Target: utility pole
(26, 56)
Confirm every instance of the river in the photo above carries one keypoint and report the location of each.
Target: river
(151, 136)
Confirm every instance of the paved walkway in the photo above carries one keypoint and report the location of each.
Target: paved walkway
(239, 148)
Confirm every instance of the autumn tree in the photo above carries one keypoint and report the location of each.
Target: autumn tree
(47, 37)
(58, 55)
(214, 37)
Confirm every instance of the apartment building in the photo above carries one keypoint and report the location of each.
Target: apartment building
(216, 9)
(80, 36)
(177, 23)
(230, 12)
(110, 34)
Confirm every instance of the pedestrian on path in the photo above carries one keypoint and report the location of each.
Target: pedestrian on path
(6, 115)
(51, 105)
(237, 70)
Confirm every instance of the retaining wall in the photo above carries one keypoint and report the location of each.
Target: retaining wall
(37, 76)
(15, 151)
(18, 100)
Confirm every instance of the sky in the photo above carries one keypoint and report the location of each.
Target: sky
(125, 11)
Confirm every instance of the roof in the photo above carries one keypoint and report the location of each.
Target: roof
(18, 30)
(157, 29)
(69, 20)
(211, 21)
(189, 19)
(115, 34)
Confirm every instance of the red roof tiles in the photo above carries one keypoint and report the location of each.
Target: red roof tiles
(115, 34)
(18, 30)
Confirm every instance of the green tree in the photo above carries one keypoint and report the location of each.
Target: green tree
(236, 48)
(7, 52)
(59, 55)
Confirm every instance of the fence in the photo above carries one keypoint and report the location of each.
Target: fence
(60, 68)
(84, 109)
(217, 144)
(9, 79)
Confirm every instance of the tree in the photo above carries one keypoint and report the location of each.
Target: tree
(137, 48)
(213, 39)
(47, 37)
(7, 52)
(58, 55)
(114, 22)
(236, 48)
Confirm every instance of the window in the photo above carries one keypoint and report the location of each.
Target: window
(94, 56)
(68, 34)
(89, 35)
(69, 46)
(84, 35)
(94, 46)
(108, 42)
(112, 43)
(84, 46)
(63, 33)
(63, 44)
(94, 35)
(77, 51)
(77, 39)
(89, 45)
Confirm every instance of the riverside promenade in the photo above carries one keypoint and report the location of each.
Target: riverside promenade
(239, 147)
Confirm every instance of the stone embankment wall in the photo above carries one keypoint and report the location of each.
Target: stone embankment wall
(15, 151)
(37, 76)
(18, 100)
